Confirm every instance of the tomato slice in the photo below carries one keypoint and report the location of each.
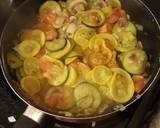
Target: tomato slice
(59, 98)
(139, 82)
(48, 29)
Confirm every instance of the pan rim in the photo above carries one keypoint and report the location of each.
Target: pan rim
(2, 63)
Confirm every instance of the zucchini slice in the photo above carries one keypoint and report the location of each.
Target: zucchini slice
(102, 38)
(55, 45)
(124, 25)
(71, 78)
(93, 18)
(71, 54)
(28, 48)
(73, 4)
(54, 61)
(20, 73)
(57, 76)
(87, 95)
(113, 3)
(83, 35)
(30, 84)
(34, 34)
(121, 86)
(60, 53)
(52, 6)
(126, 41)
(134, 61)
(70, 60)
(101, 75)
(31, 66)
(13, 60)
(83, 69)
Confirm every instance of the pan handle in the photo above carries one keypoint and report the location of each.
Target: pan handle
(31, 118)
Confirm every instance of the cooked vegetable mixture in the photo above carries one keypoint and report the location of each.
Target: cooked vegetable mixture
(81, 58)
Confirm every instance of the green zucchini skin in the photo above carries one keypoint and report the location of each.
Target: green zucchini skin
(60, 53)
(86, 89)
(55, 45)
(61, 79)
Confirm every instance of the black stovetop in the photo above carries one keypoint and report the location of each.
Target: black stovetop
(11, 105)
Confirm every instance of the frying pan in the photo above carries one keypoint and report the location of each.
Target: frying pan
(25, 16)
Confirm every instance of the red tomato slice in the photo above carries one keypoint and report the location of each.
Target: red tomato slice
(139, 82)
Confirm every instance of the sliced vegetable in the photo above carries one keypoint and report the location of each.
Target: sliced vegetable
(72, 27)
(113, 3)
(125, 32)
(48, 29)
(20, 73)
(51, 6)
(41, 53)
(98, 4)
(126, 41)
(60, 53)
(83, 35)
(56, 76)
(84, 92)
(121, 86)
(54, 61)
(60, 19)
(102, 37)
(95, 42)
(93, 18)
(89, 78)
(83, 69)
(85, 102)
(134, 61)
(71, 54)
(101, 75)
(71, 78)
(56, 44)
(94, 58)
(139, 82)
(100, 45)
(59, 98)
(114, 17)
(35, 34)
(124, 25)
(107, 10)
(77, 5)
(28, 48)
(70, 60)
(18, 76)
(31, 66)
(13, 60)
(30, 84)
